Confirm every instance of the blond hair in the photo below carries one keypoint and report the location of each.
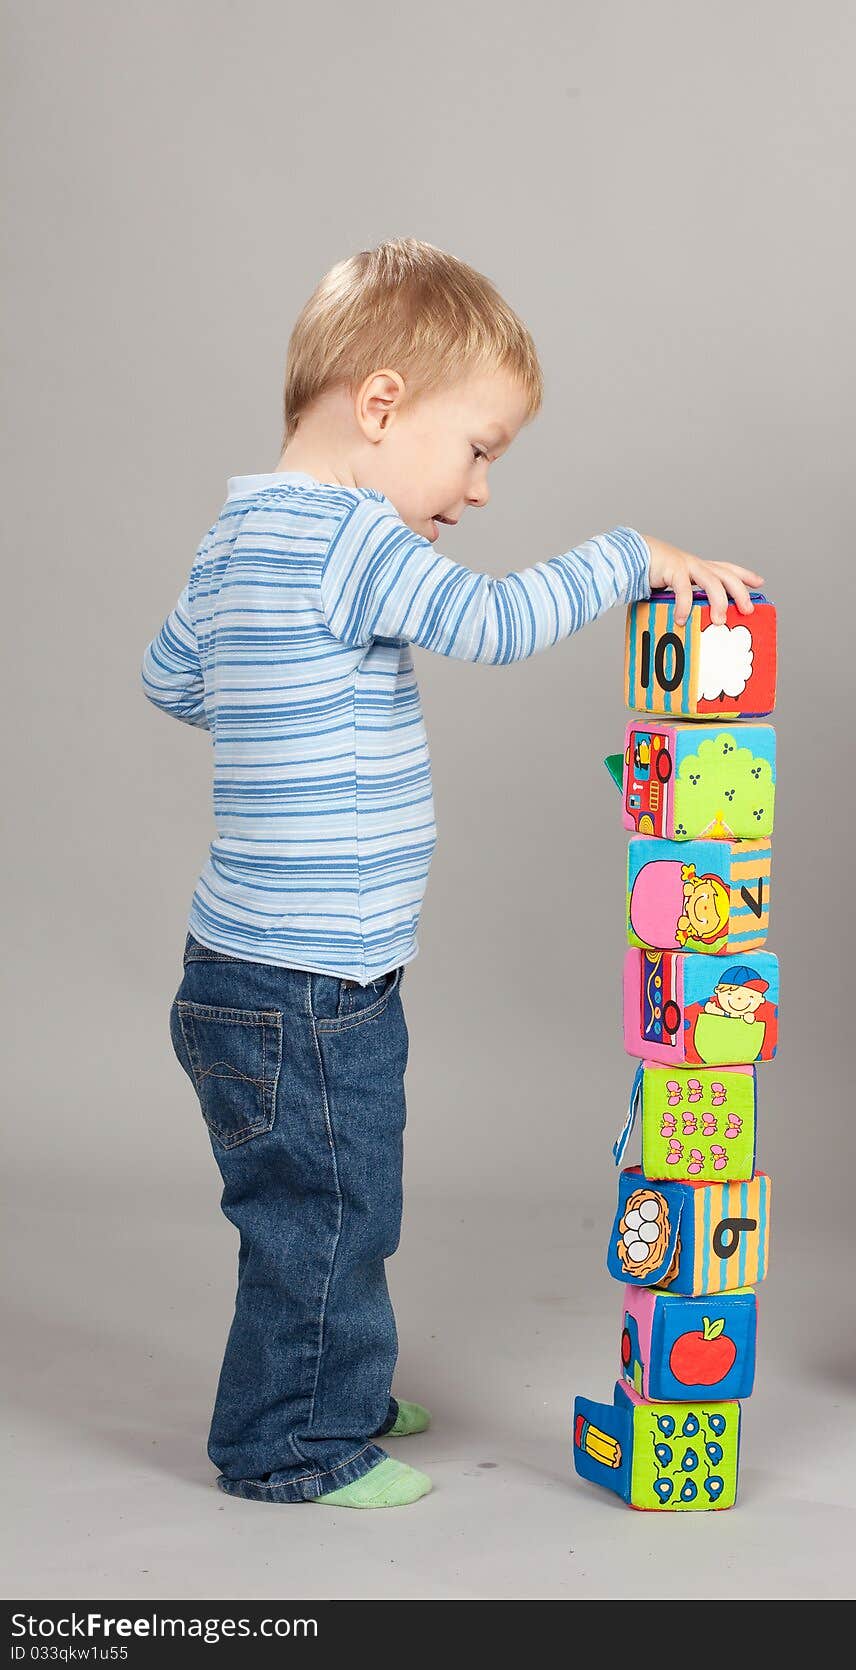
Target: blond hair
(414, 309)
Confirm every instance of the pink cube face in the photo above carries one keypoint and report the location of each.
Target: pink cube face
(654, 1006)
(637, 1326)
(648, 783)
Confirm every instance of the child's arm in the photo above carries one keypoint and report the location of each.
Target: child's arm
(380, 579)
(171, 673)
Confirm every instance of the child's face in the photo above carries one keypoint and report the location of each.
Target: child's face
(738, 1000)
(432, 461)
(701, 908)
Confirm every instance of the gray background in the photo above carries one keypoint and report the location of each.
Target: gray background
(664, 193)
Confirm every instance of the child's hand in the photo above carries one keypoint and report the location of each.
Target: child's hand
(680, 571)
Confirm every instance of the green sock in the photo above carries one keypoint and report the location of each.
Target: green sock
(411, 1418)
(388, 1485)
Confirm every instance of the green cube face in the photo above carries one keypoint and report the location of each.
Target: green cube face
(698, 1125)
(684, 1455)
(690, 782)
(666, 1457)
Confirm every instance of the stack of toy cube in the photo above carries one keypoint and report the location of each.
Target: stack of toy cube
(701, 997)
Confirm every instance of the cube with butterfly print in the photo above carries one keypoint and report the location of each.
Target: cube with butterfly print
(698, 1125)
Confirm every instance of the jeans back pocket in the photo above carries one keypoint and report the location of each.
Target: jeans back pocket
(234, 1057)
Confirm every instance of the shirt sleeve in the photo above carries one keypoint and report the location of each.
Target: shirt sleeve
(171, 670)
(380, 579)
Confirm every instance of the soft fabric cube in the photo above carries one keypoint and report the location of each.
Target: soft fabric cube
(698, 1125)
(656, 1456)
(684, 1008)
(700, 670)
(688, 782)
(674, 1347)
(712, 897)
(690, 1237)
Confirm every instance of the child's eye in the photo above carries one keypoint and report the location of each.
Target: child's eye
(478, 452)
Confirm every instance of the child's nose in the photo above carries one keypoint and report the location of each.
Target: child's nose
(479, 496)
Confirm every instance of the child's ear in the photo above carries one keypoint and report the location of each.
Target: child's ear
(377, 400)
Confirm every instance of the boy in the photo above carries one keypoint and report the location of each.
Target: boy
(407, 376)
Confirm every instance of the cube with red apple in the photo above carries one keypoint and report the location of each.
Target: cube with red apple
(675, 1348)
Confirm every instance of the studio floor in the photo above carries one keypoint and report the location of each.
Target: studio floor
(505, 1311)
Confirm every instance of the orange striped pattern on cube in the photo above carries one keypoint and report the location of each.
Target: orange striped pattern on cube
(731, 1234)
(749, 912)
(658, 620)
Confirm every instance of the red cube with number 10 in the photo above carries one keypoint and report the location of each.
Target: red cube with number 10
(700, 671)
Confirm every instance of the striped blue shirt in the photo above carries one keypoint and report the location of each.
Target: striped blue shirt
(290, 643)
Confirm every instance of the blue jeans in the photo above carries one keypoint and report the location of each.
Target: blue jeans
(300, 1081)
